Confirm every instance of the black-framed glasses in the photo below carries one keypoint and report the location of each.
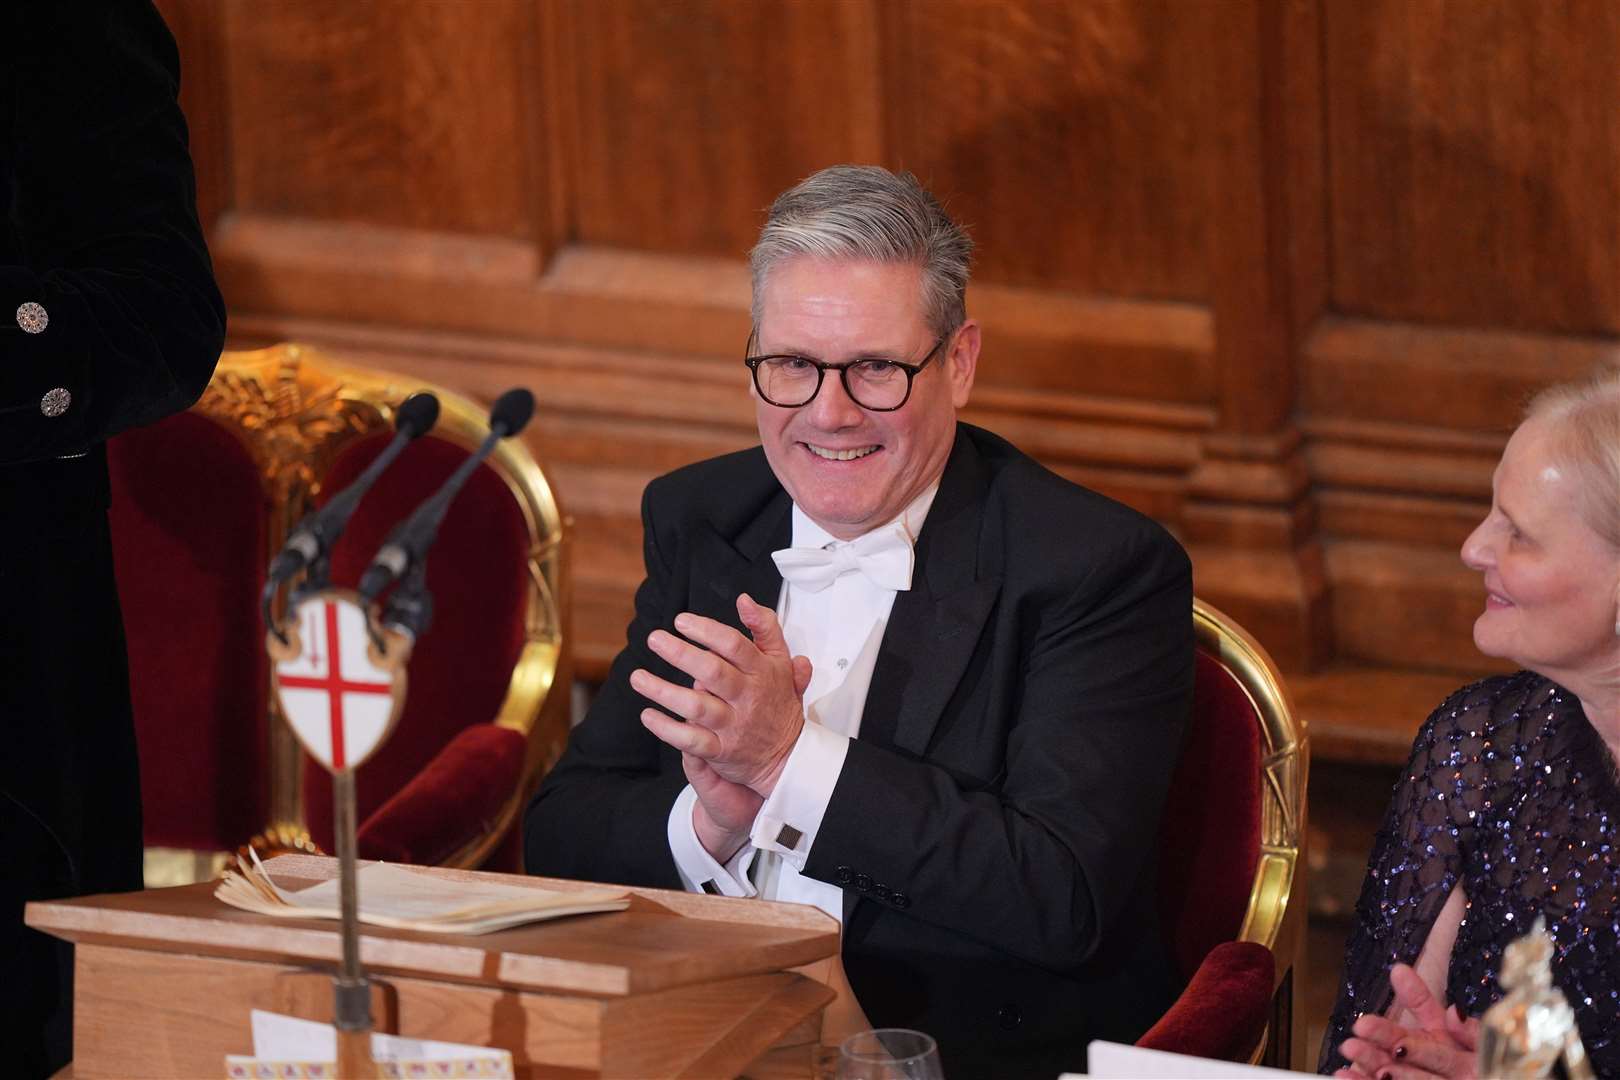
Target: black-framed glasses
(875, 384)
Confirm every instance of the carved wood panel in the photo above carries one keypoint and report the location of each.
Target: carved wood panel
(1279, 273)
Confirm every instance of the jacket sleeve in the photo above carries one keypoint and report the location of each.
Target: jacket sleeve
(109, 313)
(1044, 864)
(602, 812)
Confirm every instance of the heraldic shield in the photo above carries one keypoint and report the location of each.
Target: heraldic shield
(340, 702)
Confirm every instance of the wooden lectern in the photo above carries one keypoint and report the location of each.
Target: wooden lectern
(677, 985)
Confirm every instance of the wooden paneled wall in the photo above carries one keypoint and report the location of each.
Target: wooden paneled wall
(1278, 272)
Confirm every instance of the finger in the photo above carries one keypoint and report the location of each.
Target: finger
(1428, 1054)
(1466, 1032)
(716, 656)
(700, 708)
(1379, 1030)
(1412, 993)
(802, 670)
(687, 738)
(1367, 1056)
(762, 623)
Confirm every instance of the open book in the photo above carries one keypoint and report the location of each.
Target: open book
(399, 897)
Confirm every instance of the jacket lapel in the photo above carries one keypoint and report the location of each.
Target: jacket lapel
(721, 568)
(935, 625)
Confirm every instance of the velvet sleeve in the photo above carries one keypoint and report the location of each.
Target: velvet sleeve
(1416, 860)
(109, 314)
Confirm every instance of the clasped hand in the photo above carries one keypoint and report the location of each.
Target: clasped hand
(744, 712)
(1427, 1042)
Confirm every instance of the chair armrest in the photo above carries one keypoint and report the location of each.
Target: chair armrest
(452, 802)
(1223, 1011)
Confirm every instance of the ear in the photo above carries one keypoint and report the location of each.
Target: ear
(963, 362)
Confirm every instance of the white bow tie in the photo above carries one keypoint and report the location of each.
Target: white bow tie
(883, 556)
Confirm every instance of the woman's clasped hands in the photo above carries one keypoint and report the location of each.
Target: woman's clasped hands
(1424, 1041)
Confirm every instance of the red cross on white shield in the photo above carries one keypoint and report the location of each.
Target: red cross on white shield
(337, 701)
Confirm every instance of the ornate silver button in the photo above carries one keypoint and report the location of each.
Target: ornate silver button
(32, 317)
(55, 402)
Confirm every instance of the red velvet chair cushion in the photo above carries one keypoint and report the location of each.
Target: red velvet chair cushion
(451, 803)
(1223, 1012)
(1210, 836)
(460, 669)
(189, 548)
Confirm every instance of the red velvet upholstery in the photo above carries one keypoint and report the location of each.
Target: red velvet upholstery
(1210, 836)
(451, 803)
(461, 667)
(1209, 849)
(188, 522)
(1223, 1012)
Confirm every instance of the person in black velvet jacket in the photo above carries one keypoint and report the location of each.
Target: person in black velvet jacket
(958, 737)
(109, 318)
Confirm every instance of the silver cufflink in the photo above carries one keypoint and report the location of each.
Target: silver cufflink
(32, 317)
(55, 402)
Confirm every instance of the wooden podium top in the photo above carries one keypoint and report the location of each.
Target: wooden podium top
(663, 939)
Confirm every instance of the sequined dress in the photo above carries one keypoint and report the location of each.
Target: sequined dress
(1511, 792)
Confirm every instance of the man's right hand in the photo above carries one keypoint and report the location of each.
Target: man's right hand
(725, 811)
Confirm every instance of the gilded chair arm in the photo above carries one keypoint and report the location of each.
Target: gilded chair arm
(452, 803)
(1222, 1013)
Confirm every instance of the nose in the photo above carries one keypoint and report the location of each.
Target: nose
(832, 408)
(1477, 552)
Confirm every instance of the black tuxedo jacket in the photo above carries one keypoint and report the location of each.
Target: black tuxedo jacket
(994, 827)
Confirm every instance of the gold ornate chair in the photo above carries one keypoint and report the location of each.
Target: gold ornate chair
(1232, 870)
(201, 502)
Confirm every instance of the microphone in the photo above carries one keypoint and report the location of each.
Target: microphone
(405, 552)
(312, 539)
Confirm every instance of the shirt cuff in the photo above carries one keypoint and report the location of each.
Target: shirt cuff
(699, 870)
(791, 817)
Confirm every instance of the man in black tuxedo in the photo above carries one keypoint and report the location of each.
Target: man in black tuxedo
(109, 318)
(956, 729)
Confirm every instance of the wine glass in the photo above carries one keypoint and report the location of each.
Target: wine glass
(889, 1054)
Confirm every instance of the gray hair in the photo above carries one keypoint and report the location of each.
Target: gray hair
(869, 213)
(1587, 439)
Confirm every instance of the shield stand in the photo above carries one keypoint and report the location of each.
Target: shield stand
(314, 662)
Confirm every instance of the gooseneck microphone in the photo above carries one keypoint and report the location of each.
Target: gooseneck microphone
(311, 540)
(404, 555)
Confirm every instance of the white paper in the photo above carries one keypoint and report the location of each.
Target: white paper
(1118, 1062)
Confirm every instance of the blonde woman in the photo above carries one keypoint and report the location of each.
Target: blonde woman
(1509, 807)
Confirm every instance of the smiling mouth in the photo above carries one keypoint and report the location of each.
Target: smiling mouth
(827, 454)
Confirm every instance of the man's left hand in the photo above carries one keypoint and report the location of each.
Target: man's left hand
(747, 715)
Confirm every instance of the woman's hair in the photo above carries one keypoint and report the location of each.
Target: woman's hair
(869, 213)
(1585, 418)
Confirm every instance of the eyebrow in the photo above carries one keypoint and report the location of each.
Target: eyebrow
(870, 354)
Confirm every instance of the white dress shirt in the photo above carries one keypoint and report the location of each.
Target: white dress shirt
(839, 629)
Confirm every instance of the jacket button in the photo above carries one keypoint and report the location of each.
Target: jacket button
(900, 900)
(843, 875)
(1009, 1017)
(55, 402)
(881, 891)
(32, 317)
(863, 882)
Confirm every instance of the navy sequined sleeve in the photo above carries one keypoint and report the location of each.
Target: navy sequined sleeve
(1512, 794)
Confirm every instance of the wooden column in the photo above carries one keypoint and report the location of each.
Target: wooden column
(1249, 518)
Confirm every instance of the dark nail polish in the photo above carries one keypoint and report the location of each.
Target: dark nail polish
(1399, 1052)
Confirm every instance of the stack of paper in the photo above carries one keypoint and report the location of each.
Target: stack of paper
(404, 899)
